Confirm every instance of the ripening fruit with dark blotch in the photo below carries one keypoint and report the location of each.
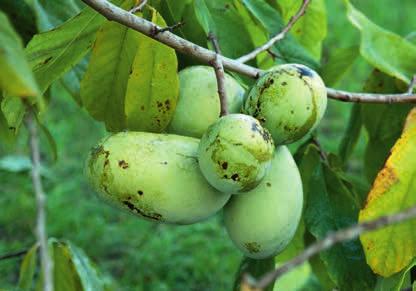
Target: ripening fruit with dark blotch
(289, 100)
(199, 104)
(154, 176)
(235, 153)
(263, 221)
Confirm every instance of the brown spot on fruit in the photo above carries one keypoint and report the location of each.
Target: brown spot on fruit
(140, 192)
(224, 165)
(252, 247)
(123, 164)
(235, 177)
(268, 184)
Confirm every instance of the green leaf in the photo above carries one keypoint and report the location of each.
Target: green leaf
(21, 16)
(311, 29)
(396, 281)
(383, 122)
(72, 270)
(288, 49)
(330, 206)
(222, 19)
(386, 51)
(258, 34)
(27, 269)
(176, 11)
(255, 268)
(16, 77)
(392, 248)
(50, 14)
(104, 85)
(339, 62)
(14, 110)
(15, 163)
(153, 85)
(53, 53)
(351, 134)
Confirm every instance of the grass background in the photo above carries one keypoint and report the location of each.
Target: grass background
(141, 255)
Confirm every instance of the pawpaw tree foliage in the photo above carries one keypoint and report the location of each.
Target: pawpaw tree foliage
(140, 89)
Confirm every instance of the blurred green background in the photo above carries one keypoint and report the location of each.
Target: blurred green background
(141, 255)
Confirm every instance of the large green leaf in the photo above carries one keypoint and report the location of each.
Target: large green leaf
(311, 29)
(222, 18)
(14, 111)
(53, 53)
(27, 269)
(258, 34)
(289, 50)
(21, 16)
(72, 270)
(351, 134)
(183, 11)
(338, 63)
(396, 281)
(391, 249)
(153, 84)
(383, 122)
(386, 51)
(16, 78)
(50, 13)
(104, 85)
(330, 206)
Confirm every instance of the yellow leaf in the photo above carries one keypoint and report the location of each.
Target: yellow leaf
(390, 249)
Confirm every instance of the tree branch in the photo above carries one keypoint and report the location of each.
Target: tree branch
(329, 241)
(370, 97)
(220, 74)
(114, 13)
(281, 35)
(138, 7)
(41, 234)
(412, 85)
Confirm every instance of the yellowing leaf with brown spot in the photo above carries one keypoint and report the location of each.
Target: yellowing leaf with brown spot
(391, 249)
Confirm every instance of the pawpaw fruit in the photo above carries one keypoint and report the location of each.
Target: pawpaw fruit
(235, 153)
(198, 105)
(263, 221)
(289, 100)
(154, 176)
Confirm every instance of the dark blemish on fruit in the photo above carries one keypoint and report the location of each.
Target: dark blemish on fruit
(150, 215)
(123, 164)
(140, 192)
(308, 108)
(142, 108)
(268, 184)
(235, 177)
(225, 177)
(224, 165)
(303, 71)
(12, 128)
(284, 83)
(292, 112)
(252, 247)
(164, 163)
(266, 85)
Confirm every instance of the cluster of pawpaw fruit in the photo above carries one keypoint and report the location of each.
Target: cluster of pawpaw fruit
(238, 162)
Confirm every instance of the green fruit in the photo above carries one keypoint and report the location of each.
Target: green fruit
(155, 176)
(199, 105)
(289, 101)
(235, 153)
(262, 222)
